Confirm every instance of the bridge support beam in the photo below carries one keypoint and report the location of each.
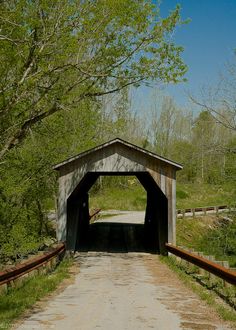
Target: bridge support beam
(156, 221)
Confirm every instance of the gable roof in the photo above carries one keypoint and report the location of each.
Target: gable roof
(120, 142)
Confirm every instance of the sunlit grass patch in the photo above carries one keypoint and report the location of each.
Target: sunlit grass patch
(126, 199)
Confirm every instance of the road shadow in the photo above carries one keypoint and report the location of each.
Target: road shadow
(116, 238)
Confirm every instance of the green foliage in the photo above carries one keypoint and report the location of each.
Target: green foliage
(57, 54)
(58, 58)
(180, 194)
(119, 193)
(200, 195)
(126, 193)
(18, 300)
(209, 235)
(220, 241)
(62, 60)
(204, 147)
(189, 231)
(28, 183)
(19, 242)
(19, 231)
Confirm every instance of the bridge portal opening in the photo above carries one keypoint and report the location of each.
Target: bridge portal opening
(155, 173)
(147, 235)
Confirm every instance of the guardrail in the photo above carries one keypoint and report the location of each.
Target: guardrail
(204, 210)
(210, 266)
(20, 270)
(11, 275)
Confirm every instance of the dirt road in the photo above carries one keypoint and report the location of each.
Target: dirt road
(123, 291)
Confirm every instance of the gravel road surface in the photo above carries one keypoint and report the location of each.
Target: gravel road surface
(123, 290)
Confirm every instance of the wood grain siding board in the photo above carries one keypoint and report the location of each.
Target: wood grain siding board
(174, 208)
(154, 168)
(163, 180)
(132, 155)
(169, 197)
(61, 210)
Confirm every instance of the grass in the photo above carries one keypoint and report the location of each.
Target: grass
(18, 300)
(189, 230)
(133, 197)
(203, 234)
(117, 198)
(191, 195)
(210, 297)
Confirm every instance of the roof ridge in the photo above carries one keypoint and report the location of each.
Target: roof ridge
(110, 142)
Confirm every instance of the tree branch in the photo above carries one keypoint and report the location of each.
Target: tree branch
(22, 131)
(222, 119)
(114, 90)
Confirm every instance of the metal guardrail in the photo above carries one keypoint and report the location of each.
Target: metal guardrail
(202, 209)
(35, 263)
(206, 209)
(210, 266)
(28, 266)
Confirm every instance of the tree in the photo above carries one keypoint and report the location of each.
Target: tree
(220, 102)
(212, 143)
(119, 121)
(169, 126)
(204, 141)
(55, 54)
(28, 185)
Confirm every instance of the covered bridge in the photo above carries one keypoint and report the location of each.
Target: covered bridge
(117, 157)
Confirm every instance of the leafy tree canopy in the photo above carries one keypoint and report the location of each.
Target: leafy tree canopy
(57, 53)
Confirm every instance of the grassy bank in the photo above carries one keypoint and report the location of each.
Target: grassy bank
(133, 197)
(210, 297)
(209, 235)
(18, 300)
(195, 195)
(119, 198)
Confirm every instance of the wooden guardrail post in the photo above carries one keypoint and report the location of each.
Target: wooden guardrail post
(193, 211)
(209, 274)
(200, 270)
(226, 265)
(216, 209)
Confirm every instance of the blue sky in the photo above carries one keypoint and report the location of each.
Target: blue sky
(209, 41)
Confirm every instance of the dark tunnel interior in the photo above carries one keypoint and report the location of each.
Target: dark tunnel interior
(114, 237)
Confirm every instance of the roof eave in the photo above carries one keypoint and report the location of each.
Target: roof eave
(117, 140)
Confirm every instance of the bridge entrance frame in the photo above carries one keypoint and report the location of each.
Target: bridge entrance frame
(117, 157)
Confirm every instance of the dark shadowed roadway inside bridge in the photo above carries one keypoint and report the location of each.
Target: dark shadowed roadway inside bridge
(118, 234)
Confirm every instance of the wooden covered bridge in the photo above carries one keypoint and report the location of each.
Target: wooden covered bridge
(117, 157)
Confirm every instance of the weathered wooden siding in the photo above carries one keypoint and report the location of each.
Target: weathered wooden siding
(117, 157)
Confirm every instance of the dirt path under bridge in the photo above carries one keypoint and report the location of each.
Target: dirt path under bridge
(123, 291)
